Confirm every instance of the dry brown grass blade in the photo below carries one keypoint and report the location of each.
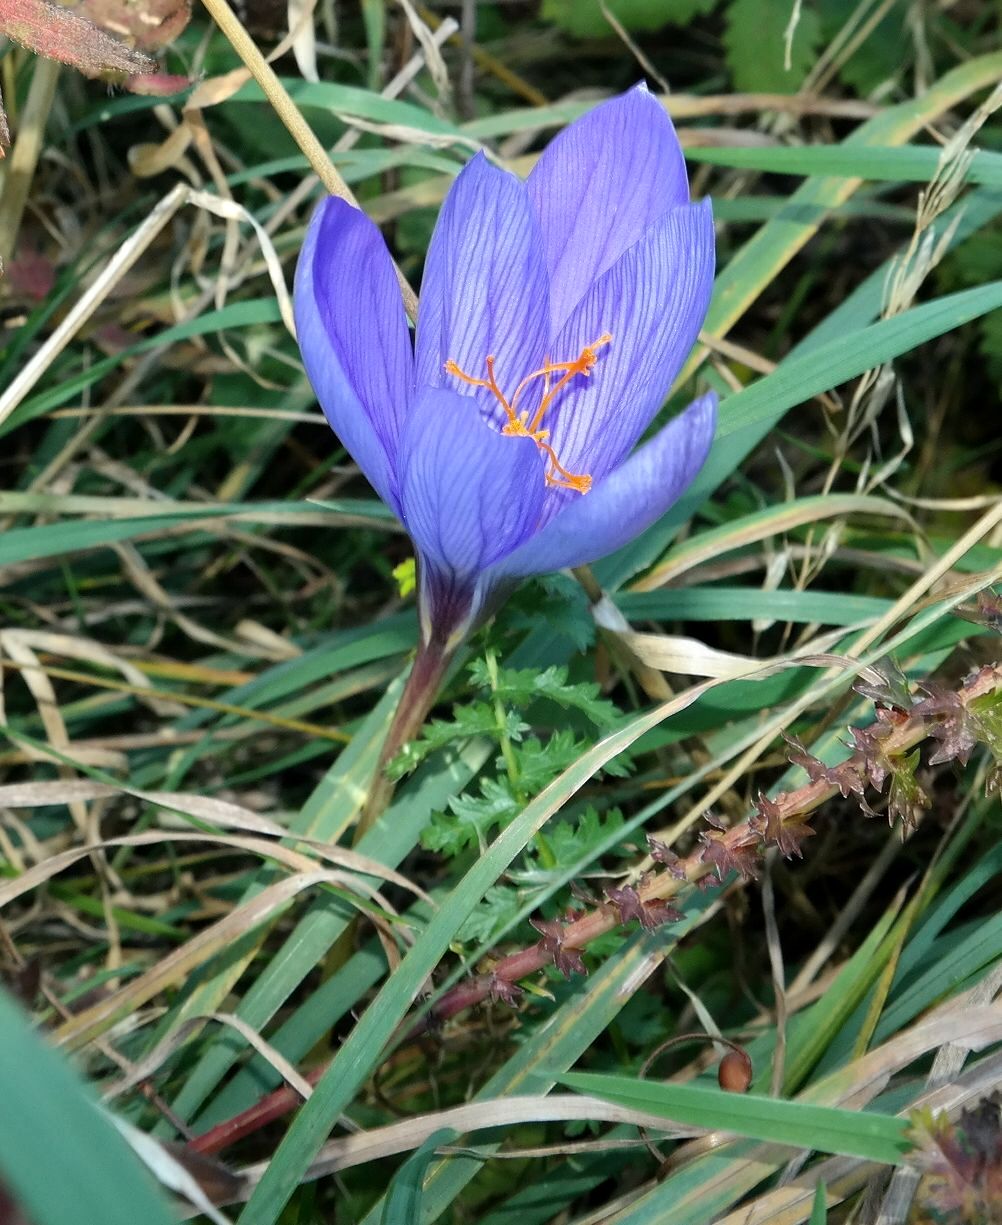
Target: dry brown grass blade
(758, 529)
(21, 653)
(130, 251)
(125, 258)
(95, 1020)
(222, 813)
(95, 756)
(151, 1063)
(88, 650)
(675, 653)
(141, 575)
(476, 1116)
(289, 113)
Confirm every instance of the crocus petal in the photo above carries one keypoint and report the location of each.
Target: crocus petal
(469, 495)
(653, 301)
(599, 186)
(627, 502)
(484, 291)
(352, 333)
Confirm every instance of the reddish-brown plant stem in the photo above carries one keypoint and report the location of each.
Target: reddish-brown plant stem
(790, 812)
(794, 808)
(430, 665)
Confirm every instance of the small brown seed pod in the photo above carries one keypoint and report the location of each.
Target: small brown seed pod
(734, 1073)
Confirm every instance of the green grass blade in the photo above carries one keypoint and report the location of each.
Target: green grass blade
(852, 1133)
(887, 163)
(363, 1047)
(831, 364)
(59, 1154)
(406, 1190)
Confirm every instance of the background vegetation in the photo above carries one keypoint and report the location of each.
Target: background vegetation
(603, 843)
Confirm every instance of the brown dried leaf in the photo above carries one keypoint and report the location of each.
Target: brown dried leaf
(24, 984)
(649, 914)
(30, 273)
(656, 912)
(990, 610)
(963, 1180)
(874, 760)
(627, 902)
(220, 1184)
(146, 24)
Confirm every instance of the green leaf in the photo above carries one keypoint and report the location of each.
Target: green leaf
(235, 315)
(585, 19)
(540, 762)
(362, 1049)
(726, 603)
(406, 1191)
(826, 1129)
(58, 1153)
(819, 1209)
(469, 721)
(574, 840)
(911, 164)
(839, 360)
(755, 42)
(527, 685)
(498, 909)
(471, 818)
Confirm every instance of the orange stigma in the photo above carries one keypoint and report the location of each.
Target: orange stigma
(518, 423)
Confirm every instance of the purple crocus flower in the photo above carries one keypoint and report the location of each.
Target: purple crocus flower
(555, 315)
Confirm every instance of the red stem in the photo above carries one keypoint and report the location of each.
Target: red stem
(417, 699)
(793, 808)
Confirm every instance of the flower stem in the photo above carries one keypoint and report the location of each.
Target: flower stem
(418, 697)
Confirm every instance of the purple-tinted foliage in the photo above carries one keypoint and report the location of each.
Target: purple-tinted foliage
(555, 315)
